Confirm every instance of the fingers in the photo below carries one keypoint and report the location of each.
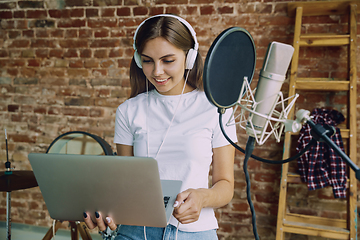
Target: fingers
(100, 222)
(110, 222)
(187, 212)
(90, 224)
(187, 207)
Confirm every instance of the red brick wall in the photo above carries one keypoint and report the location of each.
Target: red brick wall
(64, 67)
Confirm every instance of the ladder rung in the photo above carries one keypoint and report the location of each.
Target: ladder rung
(321, 8)
(324, 40)
(345, 133)
(316, 230)
(324, 85)
(326, 222)
(293, 178)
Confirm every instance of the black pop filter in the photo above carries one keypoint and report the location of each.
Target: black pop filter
(231, 57)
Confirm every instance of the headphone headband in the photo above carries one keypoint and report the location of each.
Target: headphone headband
(183, 21)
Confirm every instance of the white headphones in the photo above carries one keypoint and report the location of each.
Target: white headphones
(192, 53)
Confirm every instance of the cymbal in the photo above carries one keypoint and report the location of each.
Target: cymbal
(16, 180)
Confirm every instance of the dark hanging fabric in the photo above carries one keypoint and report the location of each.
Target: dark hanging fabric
(321, 166)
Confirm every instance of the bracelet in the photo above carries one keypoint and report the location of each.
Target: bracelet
(108, 234)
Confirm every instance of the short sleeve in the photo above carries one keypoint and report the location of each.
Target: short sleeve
(123, 134)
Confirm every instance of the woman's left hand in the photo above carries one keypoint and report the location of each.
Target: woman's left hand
(188, 205)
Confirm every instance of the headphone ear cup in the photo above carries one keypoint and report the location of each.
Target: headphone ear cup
(137, 59)
(190, 58)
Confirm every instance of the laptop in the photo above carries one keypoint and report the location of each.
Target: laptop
(128, 189)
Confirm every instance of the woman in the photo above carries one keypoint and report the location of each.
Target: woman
(169, 118)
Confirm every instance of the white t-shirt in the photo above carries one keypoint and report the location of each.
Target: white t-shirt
(186, 153)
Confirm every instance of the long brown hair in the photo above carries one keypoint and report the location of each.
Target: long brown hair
(177, 34)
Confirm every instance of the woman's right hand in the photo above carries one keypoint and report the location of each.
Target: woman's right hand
(100, 222)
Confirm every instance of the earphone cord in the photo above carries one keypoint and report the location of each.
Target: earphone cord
(162, 143)
(172, 120)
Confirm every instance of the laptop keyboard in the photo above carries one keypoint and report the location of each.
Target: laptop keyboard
(166, 200)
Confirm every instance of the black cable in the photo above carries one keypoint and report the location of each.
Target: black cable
(250, 145)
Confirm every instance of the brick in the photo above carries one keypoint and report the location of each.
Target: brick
(139, 11)
(173, 10)
(123, 11)
(19, 14)
(3, 53)
(76, 64)
(13, 108)
(77, 73)
(7, 24)
(92, 12)
(6, 14)
(71, 33)
(42, 53)
(99, 72)
(41, 43)
(36, 14)
(31, 4)
(56, 33)
(171, 2)
(102, 3)
(14, 34)
(58, 53)
(77, 13)
(101, 33)
(116, 53)
(77, 3)
(72, 111)
(42, 33)
(104, 22)
(26, 81)
(73, 44)
(91, 63)
(103, 53)
(34, 63)
(156, 10)
(7, 5)
(85, 33)
(59, 13)
(61, 63)
(107, 63)
(21, 24)
(108, 12)
(85, 53)
(71, 53)
(16, 63)
(71, 23)
(28, 33)
(105, 43)
(207, 10)
(44, 23)
(28, 53)
(225, 10)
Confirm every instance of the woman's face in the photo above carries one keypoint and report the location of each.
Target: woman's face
(164, 65)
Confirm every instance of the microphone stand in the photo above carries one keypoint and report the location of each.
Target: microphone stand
(8, 193)
(318, 132)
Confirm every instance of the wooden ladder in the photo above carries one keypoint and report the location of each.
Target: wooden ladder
(306, 224)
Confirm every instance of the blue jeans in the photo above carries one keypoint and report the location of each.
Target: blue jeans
(169, 233)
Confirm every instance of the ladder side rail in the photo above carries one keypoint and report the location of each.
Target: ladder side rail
(352, 193)
(280, 234)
